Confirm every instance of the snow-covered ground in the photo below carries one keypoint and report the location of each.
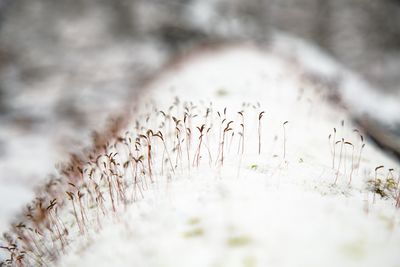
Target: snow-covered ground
(255, 210)
(55, 117)
(280, 208)
(360, 97)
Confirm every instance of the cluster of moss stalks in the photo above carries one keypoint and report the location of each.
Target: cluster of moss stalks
(122, 165)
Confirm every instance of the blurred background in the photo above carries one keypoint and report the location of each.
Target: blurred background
(68, 65)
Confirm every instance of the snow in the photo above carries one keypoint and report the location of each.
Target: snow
(195, 222)
(374, 103)
(56, 116)
(255, 210)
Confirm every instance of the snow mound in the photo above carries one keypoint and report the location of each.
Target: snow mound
(287, 201)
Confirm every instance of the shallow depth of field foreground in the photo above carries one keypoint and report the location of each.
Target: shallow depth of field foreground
(231, 158)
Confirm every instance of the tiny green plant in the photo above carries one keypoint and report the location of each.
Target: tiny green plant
(386, 188)
(376, 181)
(238, 241)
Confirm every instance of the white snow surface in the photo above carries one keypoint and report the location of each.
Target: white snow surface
(41, 149)
(357, 94)
(255, 210)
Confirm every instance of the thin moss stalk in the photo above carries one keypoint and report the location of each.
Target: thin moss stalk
(284, 139)
(197, 155)
(352, 161)
(71, 197)
(340, 159)
(259, 131)
(334, 148)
